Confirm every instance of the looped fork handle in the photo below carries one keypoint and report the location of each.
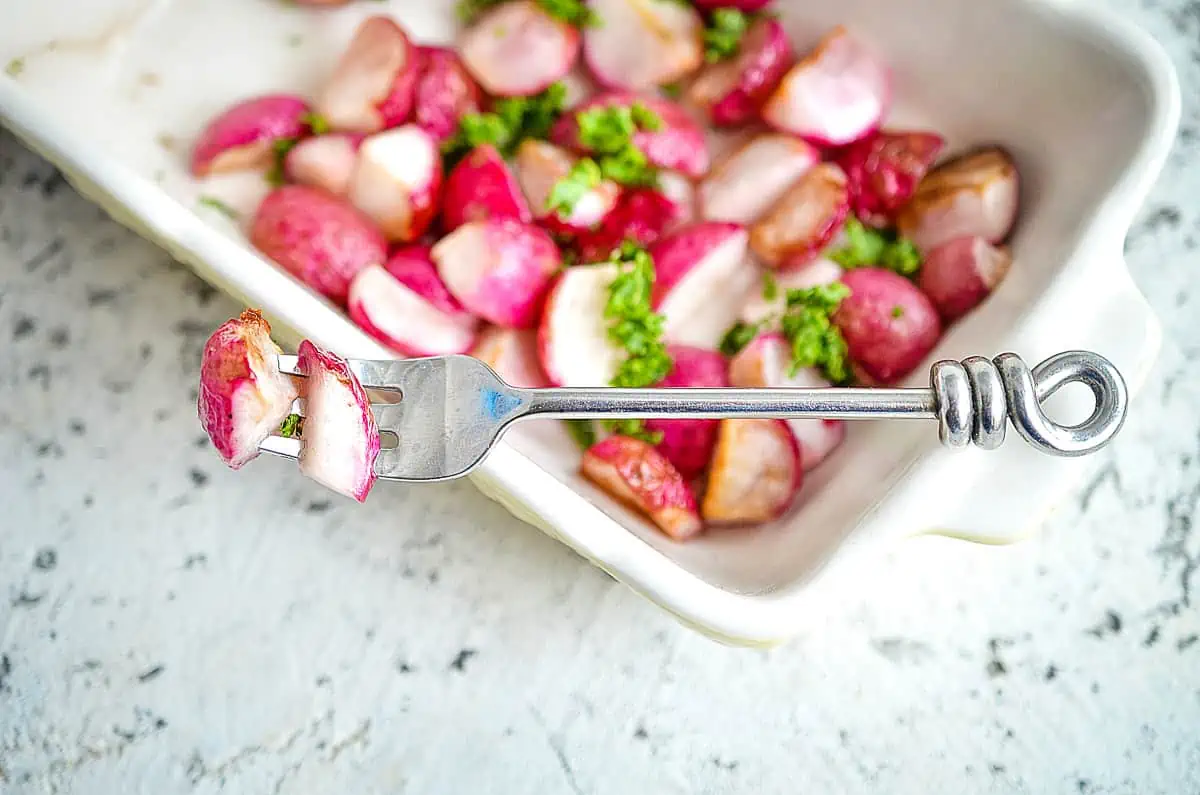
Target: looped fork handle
(975, 396)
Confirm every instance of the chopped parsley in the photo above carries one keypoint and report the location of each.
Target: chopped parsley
(867, 247)
(739, 336)
(582, 431)
(723, 34)
(566, 193)
(815, 341)
(316, 123)
(672, 90)
(607, 132)
(511, 120)
(770, 289)
(279, 152)
(218, 205)
(292, 427)
(573, 12)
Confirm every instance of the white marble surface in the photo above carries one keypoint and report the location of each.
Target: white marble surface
(169, 626)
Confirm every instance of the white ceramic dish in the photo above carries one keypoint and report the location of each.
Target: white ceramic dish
(114, 90)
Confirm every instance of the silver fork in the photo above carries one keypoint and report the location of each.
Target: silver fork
(449, 411)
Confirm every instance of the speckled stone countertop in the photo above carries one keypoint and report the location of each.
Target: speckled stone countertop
(167, 626)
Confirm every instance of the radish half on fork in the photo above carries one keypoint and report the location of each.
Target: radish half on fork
(339, 441)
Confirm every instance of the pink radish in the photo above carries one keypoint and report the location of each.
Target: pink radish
(702, 276)
(643, 43)
(883, 171)
(835, 95)
(744, 185)
(513, 354)
(397, 180)
(974, 195)
(500, 269)
(816, 273)
(416, 269)
(678, 144)
(339, 442)
(641, 215)
(804, 220)
(642, 478)
(766, 362)
(754, 475)
(731, 92)
(540, 166)
(481, 186)
(688, 444)
(516, 49)
(746, 6)
(573, 343)
(372, 86)
(445, 92)
(245, 135)
(959, 274)
(243, 396)
(889, 325)
(323, 161)
(316, 237)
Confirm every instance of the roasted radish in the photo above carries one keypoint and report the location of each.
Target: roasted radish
(688, 444)
(513, 354)
(766, 362)
(372, 86)
(396, 181)
(541, 166)
(243, 396)
(743, 185)
(481, 186)
(641, 216)
(835, 95)
(974, 195)
(516, 49)
(245, 136)
(804, 220)
(573, 343)
(643, 43)
(884, 170)
(500, 269)
(323, 161)
(316, 237)
(702, 277)
(889, 325)
(732, 92)
(642, 478)
(445, 92)
(762, 306)
(754, 475)
(339, 441)
(959, 274)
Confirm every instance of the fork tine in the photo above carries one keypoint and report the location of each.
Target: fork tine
(284, 446)
(371, 373)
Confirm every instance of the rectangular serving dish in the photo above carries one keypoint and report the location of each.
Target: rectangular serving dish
(113, 91)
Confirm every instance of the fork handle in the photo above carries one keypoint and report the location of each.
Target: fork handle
(971, 400)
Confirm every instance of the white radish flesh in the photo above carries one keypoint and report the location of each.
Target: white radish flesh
(517, 49)
(972, 196)
(745, 184)
(573, 341)
(372, 86)
(643, 43)
(397, 180)
(402, 319)
(513, 354)
(754, 475)
(323, 161)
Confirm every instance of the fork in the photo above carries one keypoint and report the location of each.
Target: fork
(447, 412)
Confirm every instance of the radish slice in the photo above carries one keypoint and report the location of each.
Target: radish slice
(765, 362)
(516, 49)
(317, 237)
(748, 181)
(755, 473)
(396, 181)
(816, 273)
(323, 161)
(481, 186)
(445, 92)
(573, 341)
(540, 166)
(641, 477)
(732, 92)
(339, 441)
(643, 43)
(243, 396)
(958, 275)
(975, 195)
(889, 325)
(688, 444)
(499, 269)
(702, 278)
(679, 144)
(244, 136)
(513, 354)
(804, 221)
(416, 269)
(884, 170)
(641, 216)
(835, 95)
(372, 85)
(407, 314)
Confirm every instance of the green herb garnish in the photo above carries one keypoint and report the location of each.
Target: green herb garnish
(634, 429)
(218, 205)
(292, 427)
(770, 287)
(723, 34)
(511, 120)
(279, 152)
(672, 90)
(867, 247)
(607, 132)
(567, 192)
(574, 12)
(582, 431)
(317, 123)
(815, 341)
(739, 336)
